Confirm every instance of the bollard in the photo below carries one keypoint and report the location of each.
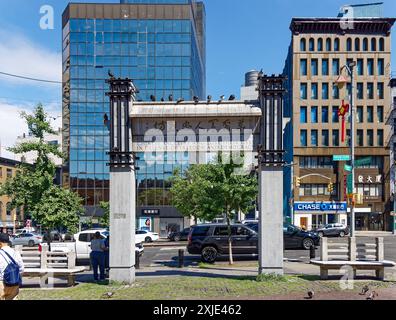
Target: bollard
(181, 258)
(137, 260)
(312, 253)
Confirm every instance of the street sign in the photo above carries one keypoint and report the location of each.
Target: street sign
(348, 168)
(363, 162)
(341, 158)
(349, 184)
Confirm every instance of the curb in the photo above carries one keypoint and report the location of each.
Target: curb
(165, 244)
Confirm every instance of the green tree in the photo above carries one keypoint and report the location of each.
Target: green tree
(105, 220)
(213, 190)
(31, 186)
(189, 191)
(59, 208)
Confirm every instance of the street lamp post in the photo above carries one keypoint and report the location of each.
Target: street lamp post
(341, 82)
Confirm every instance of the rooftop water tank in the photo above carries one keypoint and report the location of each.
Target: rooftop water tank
(251, 78)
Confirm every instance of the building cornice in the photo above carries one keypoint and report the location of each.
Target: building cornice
(377, 26)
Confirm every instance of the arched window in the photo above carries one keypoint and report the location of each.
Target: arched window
(349, 44)
(9, 209)
(337, 44)
(303, 45)
(328, 44)
(365, 44)
(357, 44)
(311, 44)
(373, 44)
(320, 44)
(381, 44)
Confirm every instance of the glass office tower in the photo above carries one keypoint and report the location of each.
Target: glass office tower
(160, 46)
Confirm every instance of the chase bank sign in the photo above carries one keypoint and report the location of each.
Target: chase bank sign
(321, 207)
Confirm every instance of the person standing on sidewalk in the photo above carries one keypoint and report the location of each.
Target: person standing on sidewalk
(98, 248)
(11, 269)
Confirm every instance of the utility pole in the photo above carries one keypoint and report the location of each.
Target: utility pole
(341, 81)
(351, 71)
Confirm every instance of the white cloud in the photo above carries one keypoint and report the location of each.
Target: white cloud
(12, 125)
(18, 55)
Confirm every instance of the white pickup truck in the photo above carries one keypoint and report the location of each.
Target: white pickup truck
(82, 244)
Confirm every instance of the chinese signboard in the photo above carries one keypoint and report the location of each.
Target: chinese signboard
(320, 207)
(369, 179)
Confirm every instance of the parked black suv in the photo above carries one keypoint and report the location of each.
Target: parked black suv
(211, 240)
(179, 236)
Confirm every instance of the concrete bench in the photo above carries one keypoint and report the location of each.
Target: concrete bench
(45, 274)
(46, 264)
(362, 256)
(378, 267)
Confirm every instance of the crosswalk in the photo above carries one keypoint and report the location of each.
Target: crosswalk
(173, 249)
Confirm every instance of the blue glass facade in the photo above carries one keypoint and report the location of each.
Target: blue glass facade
(162, 56)
(157, 1)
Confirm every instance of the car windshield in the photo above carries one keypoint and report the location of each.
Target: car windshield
(292, 228)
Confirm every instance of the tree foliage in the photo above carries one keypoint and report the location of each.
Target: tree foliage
(214, 190)
(105, 220)
(59, 208)
(33, 185)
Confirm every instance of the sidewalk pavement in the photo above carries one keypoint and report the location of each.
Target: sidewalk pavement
(374, 234)
(219, 270)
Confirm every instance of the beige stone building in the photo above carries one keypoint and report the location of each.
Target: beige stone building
(10, 219)
(318, 51)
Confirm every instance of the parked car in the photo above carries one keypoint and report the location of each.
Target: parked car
(333, 230)
(25, 230)
(53, 236)
(146, 236)
(211, 240)
(247, 222)
(81, 244)
(294, 237)
(179, 236)
(26, 239)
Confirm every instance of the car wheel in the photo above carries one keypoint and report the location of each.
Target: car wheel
(307, 243)
(148, 240)
(177, 238)
(209, 254)
(321, 234)
(342, 234)
(31, 243)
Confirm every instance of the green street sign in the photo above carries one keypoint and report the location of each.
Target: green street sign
(348, 168)
(363, 162)
(341, 158)
(349, 184)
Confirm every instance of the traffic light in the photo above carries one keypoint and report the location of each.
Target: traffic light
(330, 188)
(298, 182)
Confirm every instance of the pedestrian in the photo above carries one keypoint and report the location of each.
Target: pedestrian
(107, 254)
(98, 256)
(11, 269)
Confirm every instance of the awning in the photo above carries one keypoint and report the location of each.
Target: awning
(361, 210)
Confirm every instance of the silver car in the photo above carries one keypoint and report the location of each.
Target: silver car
(26, 239)
(333, 230)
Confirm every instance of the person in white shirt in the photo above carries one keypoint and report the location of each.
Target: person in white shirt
(8, 293)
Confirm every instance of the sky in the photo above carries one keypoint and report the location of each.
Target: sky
(241, 35)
